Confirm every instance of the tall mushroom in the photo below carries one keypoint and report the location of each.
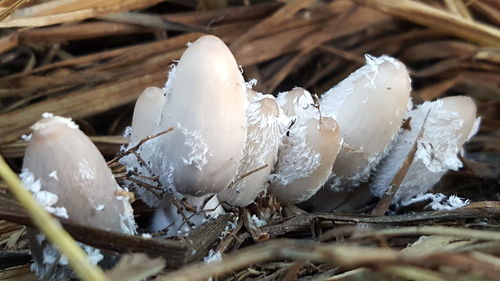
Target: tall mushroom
(206, 107)
(70, 178)
(450, 123)
(369, 107)
(205, 104)
(308, 149)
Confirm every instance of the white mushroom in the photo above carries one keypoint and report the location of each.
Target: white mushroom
(263, 138)
(65, 162)
(369, 107)
(147, 112)
(70, 178)
(308, 149)
(206, 106)
(451, 122)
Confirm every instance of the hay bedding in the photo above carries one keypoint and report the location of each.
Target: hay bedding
(89, 60)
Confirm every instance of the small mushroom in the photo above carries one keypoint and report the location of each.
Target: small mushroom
(147, 112)
(68, 176)
(308, 149)
(369, 107)
(450, 123)
(263, 139)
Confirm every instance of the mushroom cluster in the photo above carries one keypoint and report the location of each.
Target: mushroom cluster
(230, 143)
(207, 139)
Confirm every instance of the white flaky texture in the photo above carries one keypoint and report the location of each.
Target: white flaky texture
(206, 108)
(69, 177)
(172, 221)
(369, 107)
(308, 149)
(263, 139)
(147, 112)
(450, 123)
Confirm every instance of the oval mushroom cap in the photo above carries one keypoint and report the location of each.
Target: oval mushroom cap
(269, 107)
(207, 109)
(263, 138)
(369, 106)
(147, 112)
(450, 123)
(64, 169)
(322, 137)
(466, 109)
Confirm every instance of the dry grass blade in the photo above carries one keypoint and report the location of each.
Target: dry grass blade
(135, 267)
(415, 273)
(153, 21)
(77, 104)
(8, 7)
(436, 90)
(458, 7)
(107, 145)
(61, 11)
(285, 12)
(438, 19)
(348, 256)
(432, 230)
(8, 42)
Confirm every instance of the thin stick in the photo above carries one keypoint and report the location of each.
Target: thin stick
(431, 230)
(51, 228)
(135, 147)
(386, 200)
(251, 172)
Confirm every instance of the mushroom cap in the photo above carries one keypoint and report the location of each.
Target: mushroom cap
(369, 106)
(296, 102)
(147, 112)
(72, 174)
(206, 107)
(322, 138)
(451, 122)
(252, 95)
(263, 139)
